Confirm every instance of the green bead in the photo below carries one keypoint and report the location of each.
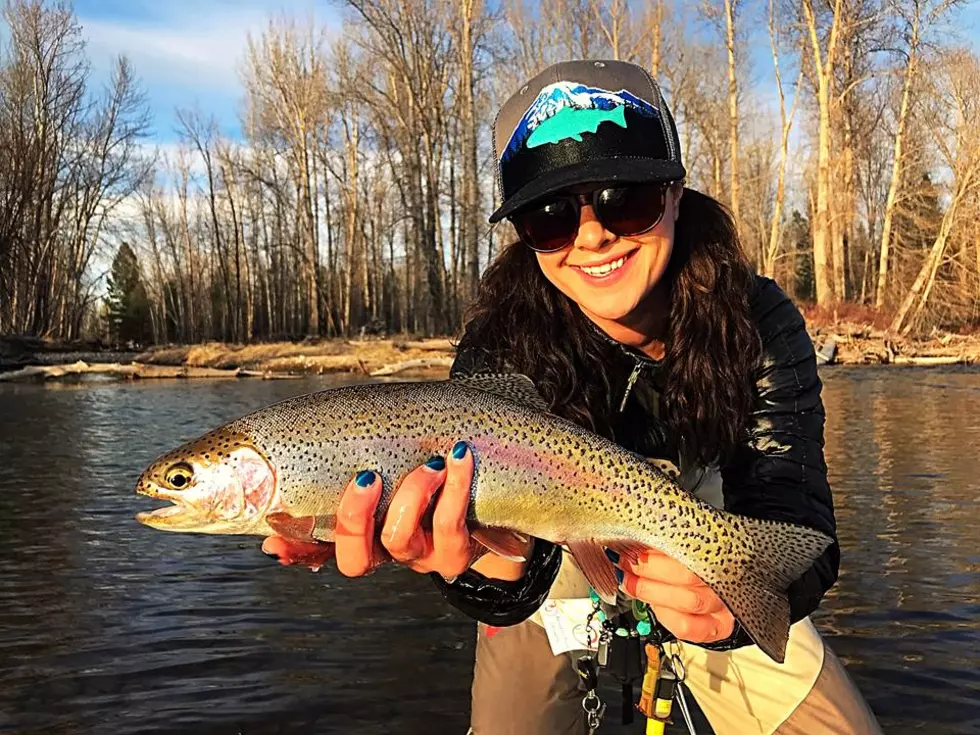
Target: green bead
(643, 627)
(622, 632)
(640, 610)
(593, 595)
(601, 615)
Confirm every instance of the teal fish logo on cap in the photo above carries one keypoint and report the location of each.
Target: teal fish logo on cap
(568, 110)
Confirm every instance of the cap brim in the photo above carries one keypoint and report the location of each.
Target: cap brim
(627, 169)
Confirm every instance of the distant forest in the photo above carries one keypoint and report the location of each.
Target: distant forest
(843, 134)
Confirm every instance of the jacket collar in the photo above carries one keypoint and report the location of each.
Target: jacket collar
(636, 355)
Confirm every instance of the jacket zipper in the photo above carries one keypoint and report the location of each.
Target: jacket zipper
(639, 362)
(637, 369)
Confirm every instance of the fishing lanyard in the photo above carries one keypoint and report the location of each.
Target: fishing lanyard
(618, 650)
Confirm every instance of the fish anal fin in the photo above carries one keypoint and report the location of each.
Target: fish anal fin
(596, 566)
(504, 542)
(632, 550)
(303, 528)
(514, 387)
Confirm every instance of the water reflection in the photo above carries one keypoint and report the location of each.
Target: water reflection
(106, 626)
(902, 449)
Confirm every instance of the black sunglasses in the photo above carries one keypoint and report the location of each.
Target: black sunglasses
(622, 210)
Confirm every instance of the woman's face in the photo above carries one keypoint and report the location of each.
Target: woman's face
(612, 295)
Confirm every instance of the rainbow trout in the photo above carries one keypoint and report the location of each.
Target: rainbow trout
(536, 474)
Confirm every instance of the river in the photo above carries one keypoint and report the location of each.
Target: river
(110, 627)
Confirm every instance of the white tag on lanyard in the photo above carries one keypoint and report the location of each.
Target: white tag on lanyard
(564, 622)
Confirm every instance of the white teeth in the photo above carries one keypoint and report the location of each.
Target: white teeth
(604, 269)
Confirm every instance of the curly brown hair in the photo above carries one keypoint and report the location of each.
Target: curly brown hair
(712, 342)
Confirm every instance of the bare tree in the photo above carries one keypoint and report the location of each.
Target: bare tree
(69, 156)
(823, 56)
(955, 121)
(786, 123)
(724, 16)
(915, 16)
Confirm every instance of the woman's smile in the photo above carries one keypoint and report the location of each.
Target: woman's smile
(605, 272)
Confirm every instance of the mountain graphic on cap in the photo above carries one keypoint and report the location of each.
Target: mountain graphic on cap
(567, 110)
(582, 121)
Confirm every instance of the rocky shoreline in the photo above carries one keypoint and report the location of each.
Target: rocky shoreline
(861, 344)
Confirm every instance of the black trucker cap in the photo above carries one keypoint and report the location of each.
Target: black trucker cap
(583, 121)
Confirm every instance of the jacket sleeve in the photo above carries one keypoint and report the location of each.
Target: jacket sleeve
(493, 601)
(779, 472)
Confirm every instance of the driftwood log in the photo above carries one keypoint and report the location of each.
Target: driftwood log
(131, 371)
(425, 362)
(434, 345)
(930, 360)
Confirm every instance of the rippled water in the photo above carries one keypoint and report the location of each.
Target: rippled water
(110, 627)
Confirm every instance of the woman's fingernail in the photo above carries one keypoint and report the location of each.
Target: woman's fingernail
(613, 556)
(436, 463)
(459, 450)
(619, 574)
(365, 478)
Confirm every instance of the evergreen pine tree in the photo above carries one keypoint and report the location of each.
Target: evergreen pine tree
(798, 237)
(127, 303)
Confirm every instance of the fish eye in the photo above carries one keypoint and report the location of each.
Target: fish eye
(179, 476)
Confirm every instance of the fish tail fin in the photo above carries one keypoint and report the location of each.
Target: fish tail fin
(769, 557)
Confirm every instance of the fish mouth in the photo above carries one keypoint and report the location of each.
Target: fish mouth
(172, 517)
(175, 516)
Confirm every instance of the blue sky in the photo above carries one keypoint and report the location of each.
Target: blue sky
(187, 52)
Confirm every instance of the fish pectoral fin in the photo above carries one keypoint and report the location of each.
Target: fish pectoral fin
(303, 528)
(596, 567)
(504, 542)
(292, 552)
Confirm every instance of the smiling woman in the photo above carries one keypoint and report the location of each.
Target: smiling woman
(628, 300)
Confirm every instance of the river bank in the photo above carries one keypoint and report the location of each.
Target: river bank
(842, 343)
(32, 359)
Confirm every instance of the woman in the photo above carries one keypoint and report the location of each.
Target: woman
(631, 305)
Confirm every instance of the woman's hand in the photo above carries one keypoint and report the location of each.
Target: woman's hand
(446, 549)
(683, 604)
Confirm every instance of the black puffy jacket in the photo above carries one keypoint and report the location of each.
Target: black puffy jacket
(779, 473)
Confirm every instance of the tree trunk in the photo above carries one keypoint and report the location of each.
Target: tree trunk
(821, 226)
(732, 108)
(895, 183)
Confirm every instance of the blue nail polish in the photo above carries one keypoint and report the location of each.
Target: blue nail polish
(436, 463)
(613, 556)
(619, 575)
(459, 450)
(364, 478)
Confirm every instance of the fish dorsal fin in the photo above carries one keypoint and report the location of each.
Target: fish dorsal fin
(512, 386)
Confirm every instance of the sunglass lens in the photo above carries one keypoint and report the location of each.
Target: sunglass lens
(549, 227)
(630, 210)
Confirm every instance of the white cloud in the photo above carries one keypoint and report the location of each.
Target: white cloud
(196, 58)
(194, 48)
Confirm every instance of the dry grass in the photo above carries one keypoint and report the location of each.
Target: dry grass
(822, 317)
(325, 356)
